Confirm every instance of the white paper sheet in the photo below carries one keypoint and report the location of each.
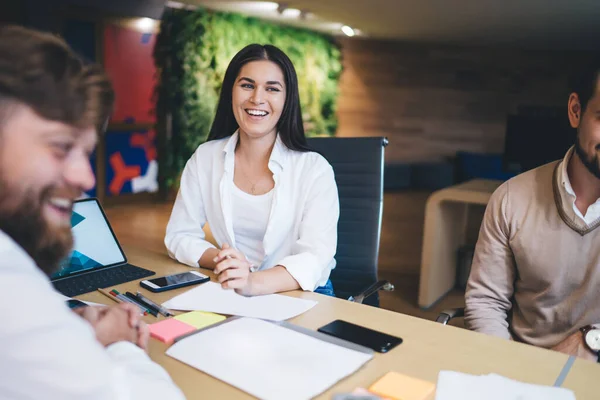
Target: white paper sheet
(266, 360)
(211, 297)
(458, 386)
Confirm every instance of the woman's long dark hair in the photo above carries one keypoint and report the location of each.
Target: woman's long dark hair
(289, 125)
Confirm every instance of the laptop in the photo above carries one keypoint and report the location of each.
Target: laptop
(97, 260)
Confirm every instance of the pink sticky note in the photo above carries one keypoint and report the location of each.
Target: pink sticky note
(169, 329)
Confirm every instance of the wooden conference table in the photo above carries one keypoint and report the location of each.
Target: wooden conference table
(428, 347)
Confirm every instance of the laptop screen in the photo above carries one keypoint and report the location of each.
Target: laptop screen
(95, 245)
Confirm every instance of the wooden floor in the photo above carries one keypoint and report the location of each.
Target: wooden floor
(399, 255)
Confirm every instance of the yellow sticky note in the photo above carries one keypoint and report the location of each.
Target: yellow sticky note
(402, 387)
(200, 319)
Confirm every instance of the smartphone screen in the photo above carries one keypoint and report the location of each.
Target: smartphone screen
(377, 341)
(74, 303)
(177, 279)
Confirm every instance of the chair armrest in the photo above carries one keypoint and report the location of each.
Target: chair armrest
(379, 285)
(448, 314)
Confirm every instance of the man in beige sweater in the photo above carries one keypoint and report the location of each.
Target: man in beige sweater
(535, 276)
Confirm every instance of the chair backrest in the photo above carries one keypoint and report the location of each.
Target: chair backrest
(358, 167)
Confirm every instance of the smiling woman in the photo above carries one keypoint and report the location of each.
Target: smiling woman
(192, 53)
(260, 79)
(271, 203)
(258, 102)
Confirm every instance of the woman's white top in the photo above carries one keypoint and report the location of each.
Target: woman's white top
(301, 232)
(250, 220)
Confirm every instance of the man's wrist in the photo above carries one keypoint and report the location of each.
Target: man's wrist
(591, 340)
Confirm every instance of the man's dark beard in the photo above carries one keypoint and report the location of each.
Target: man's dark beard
(590, 162)
(26, 226)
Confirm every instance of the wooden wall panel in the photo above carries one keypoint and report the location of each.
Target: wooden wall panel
(402, 231)
(432, 101)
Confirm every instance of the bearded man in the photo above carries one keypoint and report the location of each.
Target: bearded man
(51, 109)
(535, 275)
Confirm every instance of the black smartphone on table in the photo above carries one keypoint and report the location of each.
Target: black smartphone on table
(378, 341)
(174, 281)
(74, 303)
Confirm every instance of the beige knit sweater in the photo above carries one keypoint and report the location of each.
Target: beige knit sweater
(536, 271)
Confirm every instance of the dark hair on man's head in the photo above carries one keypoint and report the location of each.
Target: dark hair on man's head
(40, 71)
(584, 82)
(290, 127)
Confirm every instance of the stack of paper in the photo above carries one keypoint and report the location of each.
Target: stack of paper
(455, 385)
(270, 361)
(211, 297)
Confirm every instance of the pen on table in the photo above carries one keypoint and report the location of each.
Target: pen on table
(110, 296)
(158, 307)
(115, 297)
(142, 304)
(119, 296)
(151, 308)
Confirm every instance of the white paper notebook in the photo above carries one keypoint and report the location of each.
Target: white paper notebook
(270, 361)
(458, 386)
(211, 297)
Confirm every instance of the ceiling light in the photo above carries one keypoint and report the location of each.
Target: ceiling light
(265, 5)
(347, 30)
(304, 15)
(291, 13)
(175, 4)
(145, 25)
(255, 8)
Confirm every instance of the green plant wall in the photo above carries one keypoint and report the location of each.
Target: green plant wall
(192, 53)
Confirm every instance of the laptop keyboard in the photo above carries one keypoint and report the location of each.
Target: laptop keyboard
(91, 281)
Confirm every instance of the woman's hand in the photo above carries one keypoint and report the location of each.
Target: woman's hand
(233, 270)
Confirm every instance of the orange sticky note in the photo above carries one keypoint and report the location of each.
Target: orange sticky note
(402, 387)
(169, 329)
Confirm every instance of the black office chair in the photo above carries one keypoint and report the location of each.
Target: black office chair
(358, 167)
(446, 315)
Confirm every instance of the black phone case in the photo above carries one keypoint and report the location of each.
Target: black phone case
(378, 341)
(177, 286)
